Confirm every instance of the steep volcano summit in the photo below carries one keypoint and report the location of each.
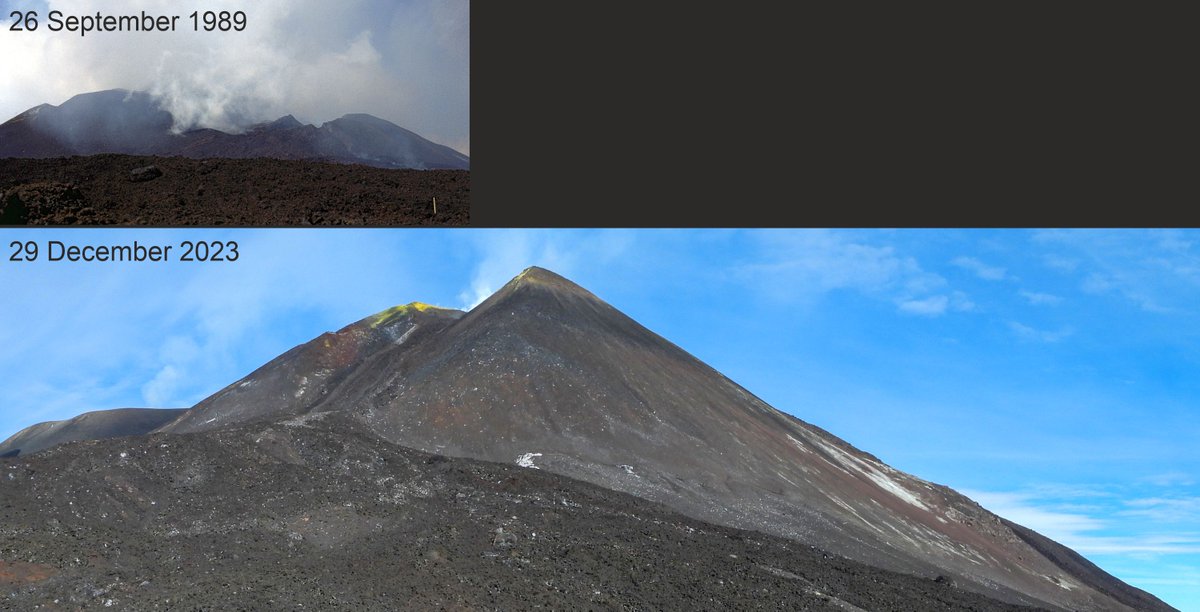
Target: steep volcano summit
(548, 378)
(136, 123)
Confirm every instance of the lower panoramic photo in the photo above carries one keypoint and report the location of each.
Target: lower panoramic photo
(599, 419)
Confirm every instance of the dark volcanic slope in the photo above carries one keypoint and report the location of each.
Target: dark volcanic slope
(121, 121)
(96, 190)
(546, 375)
(310, 514)
(302, 378)
(88, 426)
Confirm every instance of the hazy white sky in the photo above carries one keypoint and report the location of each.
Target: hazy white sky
(1054, 376)
(407, 61)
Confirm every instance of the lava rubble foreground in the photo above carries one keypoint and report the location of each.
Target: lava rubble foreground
(317, 513)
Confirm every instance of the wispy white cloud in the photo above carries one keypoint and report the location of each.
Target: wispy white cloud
(931, 306)
(1166, 574)
(1082, 532)
(1149, 545)
(1027, 333)
(1040, 299)
(1021, 508)
(1060, 263)
(960, 302)
(1097, 283)
(1165, 509)
(825, 260)
(1070, 491)
(979, 268)
(806, 265)
(1157, 270)
(1168, 479)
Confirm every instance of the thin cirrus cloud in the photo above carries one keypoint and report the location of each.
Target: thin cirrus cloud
(1027, 333)
(1040, 299)
(931, 306)
(1166, 479)
(1082, 532)
(807, 265)
(980, 269)
(1157, 271)
(1165, 509)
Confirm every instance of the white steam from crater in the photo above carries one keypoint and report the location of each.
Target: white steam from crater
(405, 61)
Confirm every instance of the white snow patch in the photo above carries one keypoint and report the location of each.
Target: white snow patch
(895, 488)
(800, 445)
(303, 383)
(526, 460)
(789, 480)
(210, 420)
(875, 474)
(628, 469)
(124, 454)
(1062, 583)
(851, 509)
(406, 334)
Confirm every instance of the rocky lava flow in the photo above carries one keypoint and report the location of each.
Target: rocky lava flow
(99, 190)
(315, 512)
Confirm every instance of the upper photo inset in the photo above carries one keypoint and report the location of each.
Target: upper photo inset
(285, 114)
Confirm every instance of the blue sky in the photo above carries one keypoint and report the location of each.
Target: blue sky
(1050, 375)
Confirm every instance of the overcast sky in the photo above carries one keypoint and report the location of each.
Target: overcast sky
(406, 61)
(1054, 376)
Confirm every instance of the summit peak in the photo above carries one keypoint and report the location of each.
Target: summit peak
(539, 284)
(535, 275)
(539, 275)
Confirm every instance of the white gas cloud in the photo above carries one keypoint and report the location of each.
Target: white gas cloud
(406, 62)
(159, 392)
(504, 254)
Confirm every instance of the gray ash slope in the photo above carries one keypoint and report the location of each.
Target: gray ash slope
(135, 123)
(548, 375)
(316, 512)
(95, 425)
